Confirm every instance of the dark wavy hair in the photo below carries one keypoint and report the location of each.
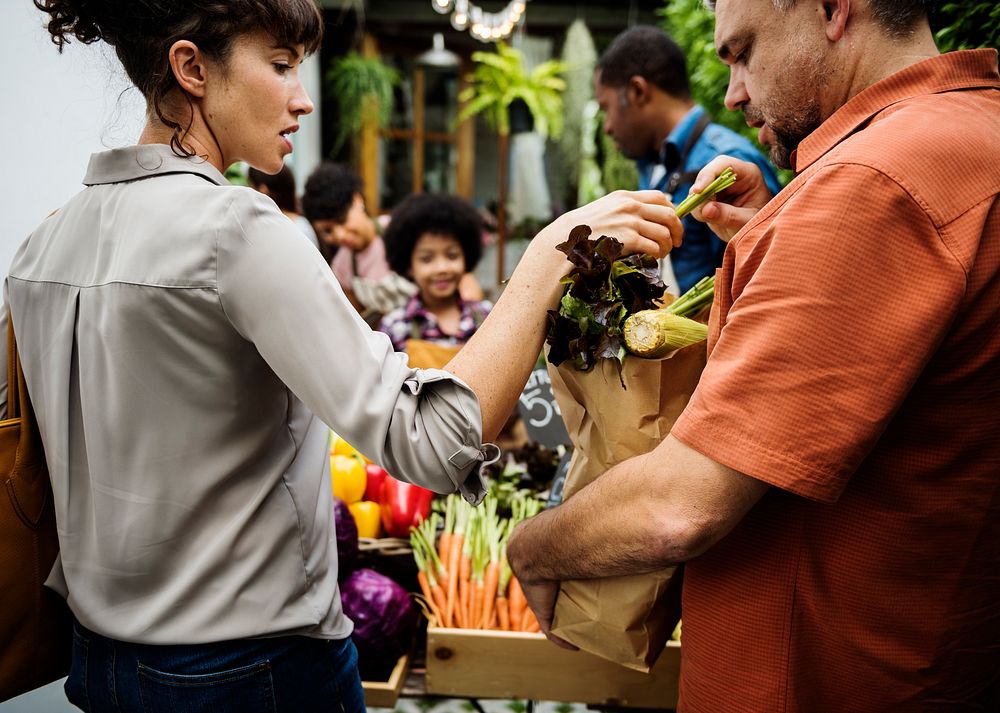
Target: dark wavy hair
(329, 192)
(647, 52)
(432, 213)
(142, 32)
(280, 186)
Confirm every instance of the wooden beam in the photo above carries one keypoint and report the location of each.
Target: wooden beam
(465, 171)
(369, 143)
(419, 82)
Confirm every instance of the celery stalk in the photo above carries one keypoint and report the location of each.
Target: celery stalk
(722, 181)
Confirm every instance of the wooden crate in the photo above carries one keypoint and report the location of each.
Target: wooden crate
(384, 694)
(501, 664)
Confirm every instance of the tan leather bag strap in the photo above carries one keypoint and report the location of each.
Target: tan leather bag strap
(14, 375)
(18, 403)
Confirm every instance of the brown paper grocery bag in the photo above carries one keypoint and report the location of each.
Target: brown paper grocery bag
(624, 619)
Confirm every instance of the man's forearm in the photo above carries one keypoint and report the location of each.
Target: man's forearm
(613, 526)
(643, 514)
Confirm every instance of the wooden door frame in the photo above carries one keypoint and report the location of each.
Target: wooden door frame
(463, 138)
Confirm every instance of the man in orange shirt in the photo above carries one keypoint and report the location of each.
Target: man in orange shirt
(835, 479)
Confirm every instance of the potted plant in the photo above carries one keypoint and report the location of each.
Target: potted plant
(500, 82)
(364, 88)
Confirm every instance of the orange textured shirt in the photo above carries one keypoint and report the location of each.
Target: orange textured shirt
(855, 366)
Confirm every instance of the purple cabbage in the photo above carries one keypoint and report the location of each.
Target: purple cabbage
(347, 539)
(385, 621)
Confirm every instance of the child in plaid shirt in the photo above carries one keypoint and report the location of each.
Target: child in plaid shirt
(434, 240)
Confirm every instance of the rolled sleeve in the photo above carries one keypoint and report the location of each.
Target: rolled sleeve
(423, 426)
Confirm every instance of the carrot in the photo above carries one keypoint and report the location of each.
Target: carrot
(490, 582)
(533, 626)
(463, 598)
(444, 546)
(437, 594)
(444, 543)
(456, 544)
(465, 574)
(503, 615)
(529, 621)
(425, 588)
(477, 604)
(425, 578)
(518, 604)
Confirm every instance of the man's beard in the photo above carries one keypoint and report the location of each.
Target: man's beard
(788, 131)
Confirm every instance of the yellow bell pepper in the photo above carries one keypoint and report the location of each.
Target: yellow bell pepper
(367, 515)
(348, 478)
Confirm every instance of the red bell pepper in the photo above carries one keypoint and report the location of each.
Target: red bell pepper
(376, 476)
(403, 506)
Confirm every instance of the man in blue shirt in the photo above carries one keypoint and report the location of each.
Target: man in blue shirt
(641, 85)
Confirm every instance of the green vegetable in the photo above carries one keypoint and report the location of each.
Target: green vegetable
(601, 291)
(655, 333)
(722, 181)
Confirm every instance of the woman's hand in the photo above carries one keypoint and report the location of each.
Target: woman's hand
(643, 220)
(729, 210)
(512, 334)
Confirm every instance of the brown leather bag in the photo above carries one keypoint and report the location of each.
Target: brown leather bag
(35, 624)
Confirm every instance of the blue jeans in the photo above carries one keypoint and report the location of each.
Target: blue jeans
(290, 673)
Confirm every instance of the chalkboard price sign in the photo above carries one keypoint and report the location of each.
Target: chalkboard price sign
(540, 412)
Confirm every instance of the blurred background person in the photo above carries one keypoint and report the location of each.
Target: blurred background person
(280, 187)
(334, 203)
(641, 84)
(434, 240)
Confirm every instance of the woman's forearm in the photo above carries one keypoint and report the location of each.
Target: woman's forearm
(499, 357)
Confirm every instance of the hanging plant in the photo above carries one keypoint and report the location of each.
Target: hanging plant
(363, 87)
(499, 79)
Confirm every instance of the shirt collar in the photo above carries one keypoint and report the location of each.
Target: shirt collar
(967, 69)
(673, 145)
(144, 161)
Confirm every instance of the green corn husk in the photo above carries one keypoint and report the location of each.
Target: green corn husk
(654, 333)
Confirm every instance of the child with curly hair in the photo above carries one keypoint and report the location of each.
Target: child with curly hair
(434, 240)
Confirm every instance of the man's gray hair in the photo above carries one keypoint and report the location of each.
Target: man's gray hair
(898, 18)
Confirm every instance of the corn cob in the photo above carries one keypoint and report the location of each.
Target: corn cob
(654, 333)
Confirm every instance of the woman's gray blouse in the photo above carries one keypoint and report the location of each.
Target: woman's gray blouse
(183, 348)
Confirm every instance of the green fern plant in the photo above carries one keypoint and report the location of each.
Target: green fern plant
(966, 25)
(364, 88)
(499, 79)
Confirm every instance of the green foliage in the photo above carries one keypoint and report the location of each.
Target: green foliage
(580, 57)
(692, 26)
(363, 87)
(966, 25)
(618, 172)
(500, 79)
(237, 174)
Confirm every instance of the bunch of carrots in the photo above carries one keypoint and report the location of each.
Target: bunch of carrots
(463, 572)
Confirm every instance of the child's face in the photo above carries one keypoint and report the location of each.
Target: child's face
(436, 266)
(355, 232)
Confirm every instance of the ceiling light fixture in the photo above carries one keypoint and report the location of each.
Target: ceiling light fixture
(484, 26)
